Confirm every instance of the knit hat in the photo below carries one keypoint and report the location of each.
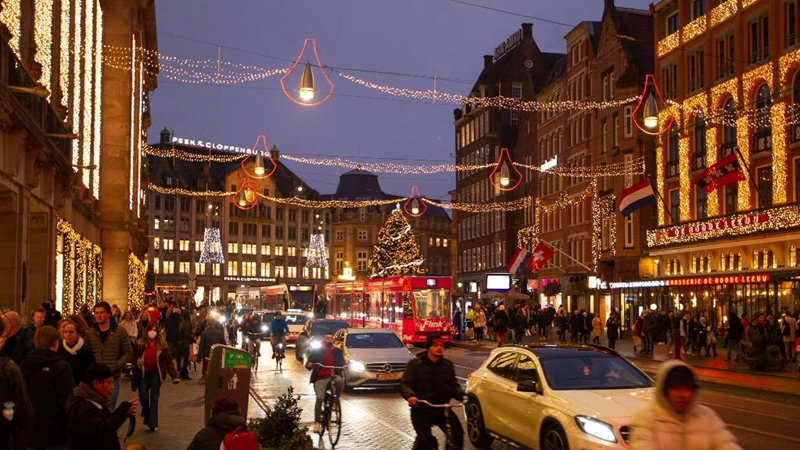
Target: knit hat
(680, 376)
(97, 372)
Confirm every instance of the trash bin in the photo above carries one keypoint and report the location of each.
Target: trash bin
(228, 374)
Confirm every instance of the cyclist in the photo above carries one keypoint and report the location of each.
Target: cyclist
(432, 378)
(277, 329)
(327, 355)
(253, 331)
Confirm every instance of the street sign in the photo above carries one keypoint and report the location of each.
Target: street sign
(235, 360)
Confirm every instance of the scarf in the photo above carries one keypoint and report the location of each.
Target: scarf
(73, 350)
(87, 393)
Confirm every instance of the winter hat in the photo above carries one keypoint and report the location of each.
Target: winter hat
(98, 372)
(680, 376)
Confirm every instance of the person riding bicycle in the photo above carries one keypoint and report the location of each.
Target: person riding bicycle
(432, 378)
(330, 356)
(252, 331)
(277, 330)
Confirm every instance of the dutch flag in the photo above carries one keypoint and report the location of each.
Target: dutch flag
(637, 196)
(518, 261)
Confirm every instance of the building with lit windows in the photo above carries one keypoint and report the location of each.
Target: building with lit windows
(72, 222)
(355, 230)
(487, 239)
(262, 246)
(732, 69)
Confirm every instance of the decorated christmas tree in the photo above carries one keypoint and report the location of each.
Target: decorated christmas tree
(397, 252)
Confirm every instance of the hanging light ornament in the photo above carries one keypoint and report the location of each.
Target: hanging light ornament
(415, 206)
(505, 176)
(307, 91)
(246, 198)
(648, 104)
(258, 152)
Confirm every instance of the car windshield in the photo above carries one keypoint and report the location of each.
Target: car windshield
(320, 328)
(373, 340)
(296, 319)
(267, 317)
(592, 372)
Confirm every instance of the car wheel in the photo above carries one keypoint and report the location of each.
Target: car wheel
(475, 429)
(554, 438)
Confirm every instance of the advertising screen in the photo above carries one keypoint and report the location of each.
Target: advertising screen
(498, 281)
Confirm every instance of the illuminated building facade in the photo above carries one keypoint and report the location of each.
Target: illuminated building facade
(73, 90)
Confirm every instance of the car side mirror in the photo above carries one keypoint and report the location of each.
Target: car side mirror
(529, 386)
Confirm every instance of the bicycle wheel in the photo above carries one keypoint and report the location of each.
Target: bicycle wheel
(334, 423)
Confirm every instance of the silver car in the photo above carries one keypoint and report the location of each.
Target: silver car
(375, 357)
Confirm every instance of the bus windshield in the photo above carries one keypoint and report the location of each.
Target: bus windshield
(432, 303)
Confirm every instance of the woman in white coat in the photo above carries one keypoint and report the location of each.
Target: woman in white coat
(675, 421)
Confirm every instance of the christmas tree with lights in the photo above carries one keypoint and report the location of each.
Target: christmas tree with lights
(396, 252)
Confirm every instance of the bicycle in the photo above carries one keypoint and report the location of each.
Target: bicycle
(253, 342)
(445, 407)
(331, 414)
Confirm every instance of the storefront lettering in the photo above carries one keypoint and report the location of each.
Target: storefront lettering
(508, 44)
(718, 225)
(720, 280)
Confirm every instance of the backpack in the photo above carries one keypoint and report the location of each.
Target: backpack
(239, 439)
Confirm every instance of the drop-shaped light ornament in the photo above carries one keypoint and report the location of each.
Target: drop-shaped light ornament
(415, 205)
(307, 92)
(505, 176)
(648, 106)
(260, 153)
(246, 197)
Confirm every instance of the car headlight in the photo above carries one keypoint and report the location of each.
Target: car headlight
(357, 366)
(596, 428)
(315, 345)
(264, 328)
(311, 315)
(222, 319)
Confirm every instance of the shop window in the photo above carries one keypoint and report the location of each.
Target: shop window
(792, 256)
(755, 260)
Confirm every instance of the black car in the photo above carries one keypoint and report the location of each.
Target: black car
(312, 333)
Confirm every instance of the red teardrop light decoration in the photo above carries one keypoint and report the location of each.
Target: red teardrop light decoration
(505, 168)
(319, 67)
(246, 197)
(651, 99)
(265, 155)
(415, 202)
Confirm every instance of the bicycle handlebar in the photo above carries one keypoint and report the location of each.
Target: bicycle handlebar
(330, 367)
(443, 405)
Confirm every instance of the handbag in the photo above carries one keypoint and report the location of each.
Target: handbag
(193, 349)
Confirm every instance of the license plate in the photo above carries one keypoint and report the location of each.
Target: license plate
(388, 376)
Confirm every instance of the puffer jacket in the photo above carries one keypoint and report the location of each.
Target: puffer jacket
(115, 352)
(220, 424)
(660, 427)
(479, 319)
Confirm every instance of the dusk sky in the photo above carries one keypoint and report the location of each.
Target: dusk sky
(427, 38)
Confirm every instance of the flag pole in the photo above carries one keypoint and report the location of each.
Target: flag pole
(749, 176)
(660, 197)
(570, 257)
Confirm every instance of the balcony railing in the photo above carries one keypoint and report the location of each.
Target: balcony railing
(699, 161)
(726, 150)
(795, 129)
(762, 141)
(672, 169)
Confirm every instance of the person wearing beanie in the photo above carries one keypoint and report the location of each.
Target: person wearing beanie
(90, 423)
(432, 378)
(675, 420)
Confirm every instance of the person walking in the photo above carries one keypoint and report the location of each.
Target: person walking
(432, 377)
(789, 332)
(597, 329)
(110, 345)
(116, 314)
(212, 335)
(49, 380)
(612, 330)
(479, 320)
(185, 341)
(226, 416)
(75, 351)
(129, 325)
(141, 324)
(17, 340)
(675, 420)
(457, 323)
(500, 324)
(734, 338)
(90, 423)
(153, 364)
(469, 322)
(14, 431)
(711, 340)
(172, 324)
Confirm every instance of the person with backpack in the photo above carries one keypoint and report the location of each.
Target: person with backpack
(226, 428)
(500, 324)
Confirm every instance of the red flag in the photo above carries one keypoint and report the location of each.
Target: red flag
(726, 171)
(539, 256)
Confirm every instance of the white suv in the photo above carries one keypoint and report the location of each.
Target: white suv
(555, 397)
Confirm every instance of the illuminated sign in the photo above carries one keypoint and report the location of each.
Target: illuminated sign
(498, 281)
(300, 288)
(506, 46)
(717, 280)
(250, 279)
(347, 274)
(210, 145)
(631, 284)
(549, 164)
(430, 282)
(718, 225)
(533, 285)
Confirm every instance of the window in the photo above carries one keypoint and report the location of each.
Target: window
(266, 231)
(278, 250)
(604, 127)
(157, 202)
(233, 228)
(670, 81)
(169, 203)
(675, 205)
(731, 198)
(200, 206)
(265, 250)
(292, 215)
(292, 233)
(503, 365)
(701, 205)
(156, 243)
(185, 203)
(168, 245)
(628, 121)
(616, 130)
(233, 268)
(233, 248)
(673, 156)
(629, 231)
(249, 269)
(279, 213)
(265, 267)
(169, 225)
(185, 225)
(279, 232)
(339, 235)
(361, 261)
(698, 8)
(759, 39)
(199, 268)
(696, 61)
(728, 129)
(200, 226)
(362, 235)
(169, 267)
(198, 246)
(291, 250)
(762, 140)
(444, 242)
(797, 180)
(183, 245)
(183, 267)
(699, 156)
(156, 265)
(672, 23)
(516, 93)
(156, 223)
(725, 57)
(764, 180)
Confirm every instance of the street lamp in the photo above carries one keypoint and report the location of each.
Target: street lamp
(650, 112)
(259, 165)
(505, 176)
(415, 206)
(307, 83)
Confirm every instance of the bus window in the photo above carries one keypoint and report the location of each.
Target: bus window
(367, 305)
(408, 313)
(432, 303)
(391, 304)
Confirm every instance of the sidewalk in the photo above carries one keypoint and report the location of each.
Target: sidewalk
(715, 373)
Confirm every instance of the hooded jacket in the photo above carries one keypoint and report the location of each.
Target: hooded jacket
(432, 381)
(90, 425)
(48, 378)
(220, 424)
(661, 427)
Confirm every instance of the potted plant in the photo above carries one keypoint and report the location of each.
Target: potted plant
(280, 428)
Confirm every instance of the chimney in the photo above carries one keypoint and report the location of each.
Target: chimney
(274, 152)
(487, 61)
(527, 30)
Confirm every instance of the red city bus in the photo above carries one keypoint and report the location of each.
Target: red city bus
(411, 306)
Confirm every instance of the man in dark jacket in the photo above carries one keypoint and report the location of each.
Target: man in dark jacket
(172, 332)
(17, 340)
(330, 356)
(49, 380)
(14, 401)
(212, 335)
(735, 332)
(225, 417)
(90, 423)
(432, 378)
(110, 345)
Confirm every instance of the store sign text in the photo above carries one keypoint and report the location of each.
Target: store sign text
(508, 44)
(717, 225)
(707, 281)
(210, 145)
